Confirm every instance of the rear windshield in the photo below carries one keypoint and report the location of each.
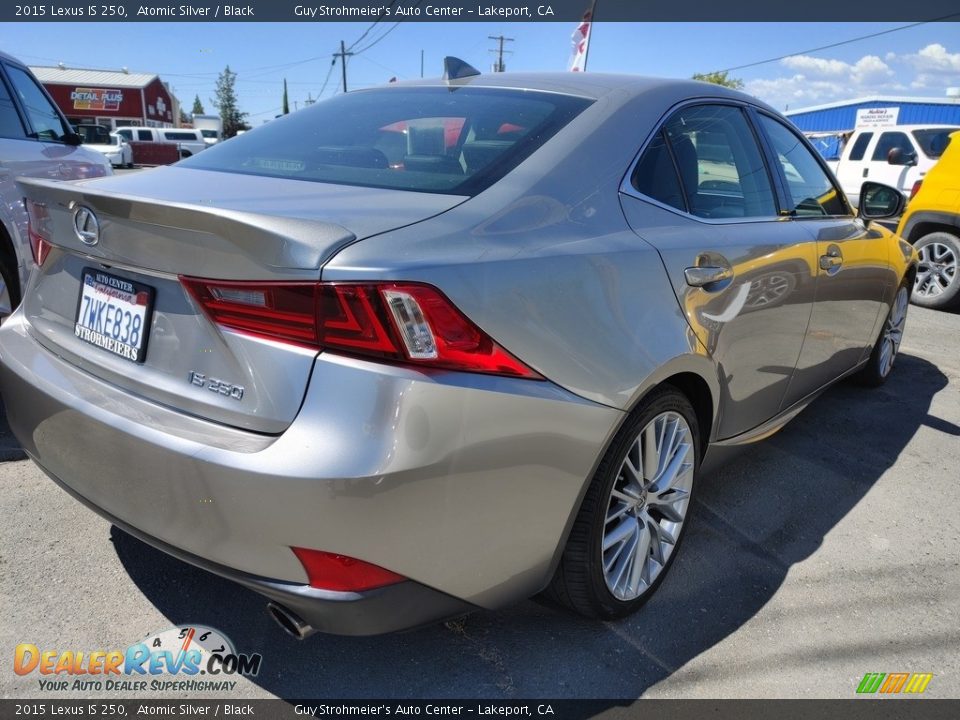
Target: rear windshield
(934, 141)
(456, 141)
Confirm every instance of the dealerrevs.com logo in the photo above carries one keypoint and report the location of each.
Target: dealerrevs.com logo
(184, 658)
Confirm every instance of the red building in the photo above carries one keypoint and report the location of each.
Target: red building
(109, 97)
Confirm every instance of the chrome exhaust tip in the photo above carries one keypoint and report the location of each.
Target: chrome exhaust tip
(292, 624)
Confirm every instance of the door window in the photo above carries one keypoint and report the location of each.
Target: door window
(721, 168)
(145, 135)
(812, 192)
(43, 115)
(890, 140)
(10, 124)
(860, 146)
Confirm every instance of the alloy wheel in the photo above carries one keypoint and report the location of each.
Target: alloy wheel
(938, 269)
(893, 331)
(647, 506)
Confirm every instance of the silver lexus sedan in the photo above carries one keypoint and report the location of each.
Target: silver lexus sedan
(446, 344)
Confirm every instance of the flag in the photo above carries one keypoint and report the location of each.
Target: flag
(580, 42)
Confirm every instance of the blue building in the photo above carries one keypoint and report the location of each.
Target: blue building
(829, 125)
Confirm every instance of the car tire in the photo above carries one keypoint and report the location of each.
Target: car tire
(9, 288)
(887, 347)
(625, 517)
(938, 277)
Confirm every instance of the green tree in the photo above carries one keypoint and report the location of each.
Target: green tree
(286, 101)
(197, 106)
(226, 102)
(720, 78)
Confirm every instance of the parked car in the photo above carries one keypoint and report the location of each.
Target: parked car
(385, 395)
(189, 140)
(932, 224)
(899, 156)
(116, 149)
(35, 140)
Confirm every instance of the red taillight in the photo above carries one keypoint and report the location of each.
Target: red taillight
(915, 189)
(329, 571)
(39, 230)
(410, 323)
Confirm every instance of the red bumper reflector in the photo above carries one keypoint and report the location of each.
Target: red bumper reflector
(329, 571)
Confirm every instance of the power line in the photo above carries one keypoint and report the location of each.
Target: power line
(333, 64)
(372, 26)
(838, 44)
(392, 28)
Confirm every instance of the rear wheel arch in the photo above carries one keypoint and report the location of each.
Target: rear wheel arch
(923, 224)
(699, 393)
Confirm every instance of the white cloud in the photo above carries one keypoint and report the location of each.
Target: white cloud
(819, 80)
(934, 58)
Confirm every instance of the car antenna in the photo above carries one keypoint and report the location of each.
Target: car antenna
(455, 69)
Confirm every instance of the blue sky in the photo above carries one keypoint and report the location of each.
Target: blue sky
(921, 61)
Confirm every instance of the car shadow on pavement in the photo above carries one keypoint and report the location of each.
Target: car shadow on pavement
(754, 519)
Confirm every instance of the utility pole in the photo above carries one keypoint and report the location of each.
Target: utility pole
(343, 62)
(499, 67)
(421, 63)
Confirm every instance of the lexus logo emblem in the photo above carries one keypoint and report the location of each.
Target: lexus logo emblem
(86, 226)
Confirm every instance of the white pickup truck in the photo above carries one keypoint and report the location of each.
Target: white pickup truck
(899, 156)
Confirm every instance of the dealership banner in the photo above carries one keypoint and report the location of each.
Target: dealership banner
(480, 11)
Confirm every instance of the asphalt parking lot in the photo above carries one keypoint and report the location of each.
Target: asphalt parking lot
(827, 551)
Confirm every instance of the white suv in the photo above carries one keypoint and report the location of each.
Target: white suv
(35, 140)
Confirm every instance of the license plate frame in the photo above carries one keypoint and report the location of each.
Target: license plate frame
(123, 289)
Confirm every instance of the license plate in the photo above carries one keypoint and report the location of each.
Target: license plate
(113, 313)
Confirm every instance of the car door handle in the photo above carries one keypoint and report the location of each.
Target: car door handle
(706, 275)
(832, 260)
(866, 171)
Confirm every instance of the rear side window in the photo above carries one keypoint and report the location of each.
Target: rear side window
(811, 190)
(10, 124)
(430, 139)
(933, 142)
(860, 146)
(656, 175)
(721, 168)
(890, 140)
(43, 116)
(180, 136)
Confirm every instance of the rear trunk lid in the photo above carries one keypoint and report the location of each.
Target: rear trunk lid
(157, 225)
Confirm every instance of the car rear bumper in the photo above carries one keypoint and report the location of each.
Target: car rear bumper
(395, 607)
(464, 484)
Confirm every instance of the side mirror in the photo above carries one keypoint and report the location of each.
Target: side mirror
(73, 138)
(897, 156)
(879, 201)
